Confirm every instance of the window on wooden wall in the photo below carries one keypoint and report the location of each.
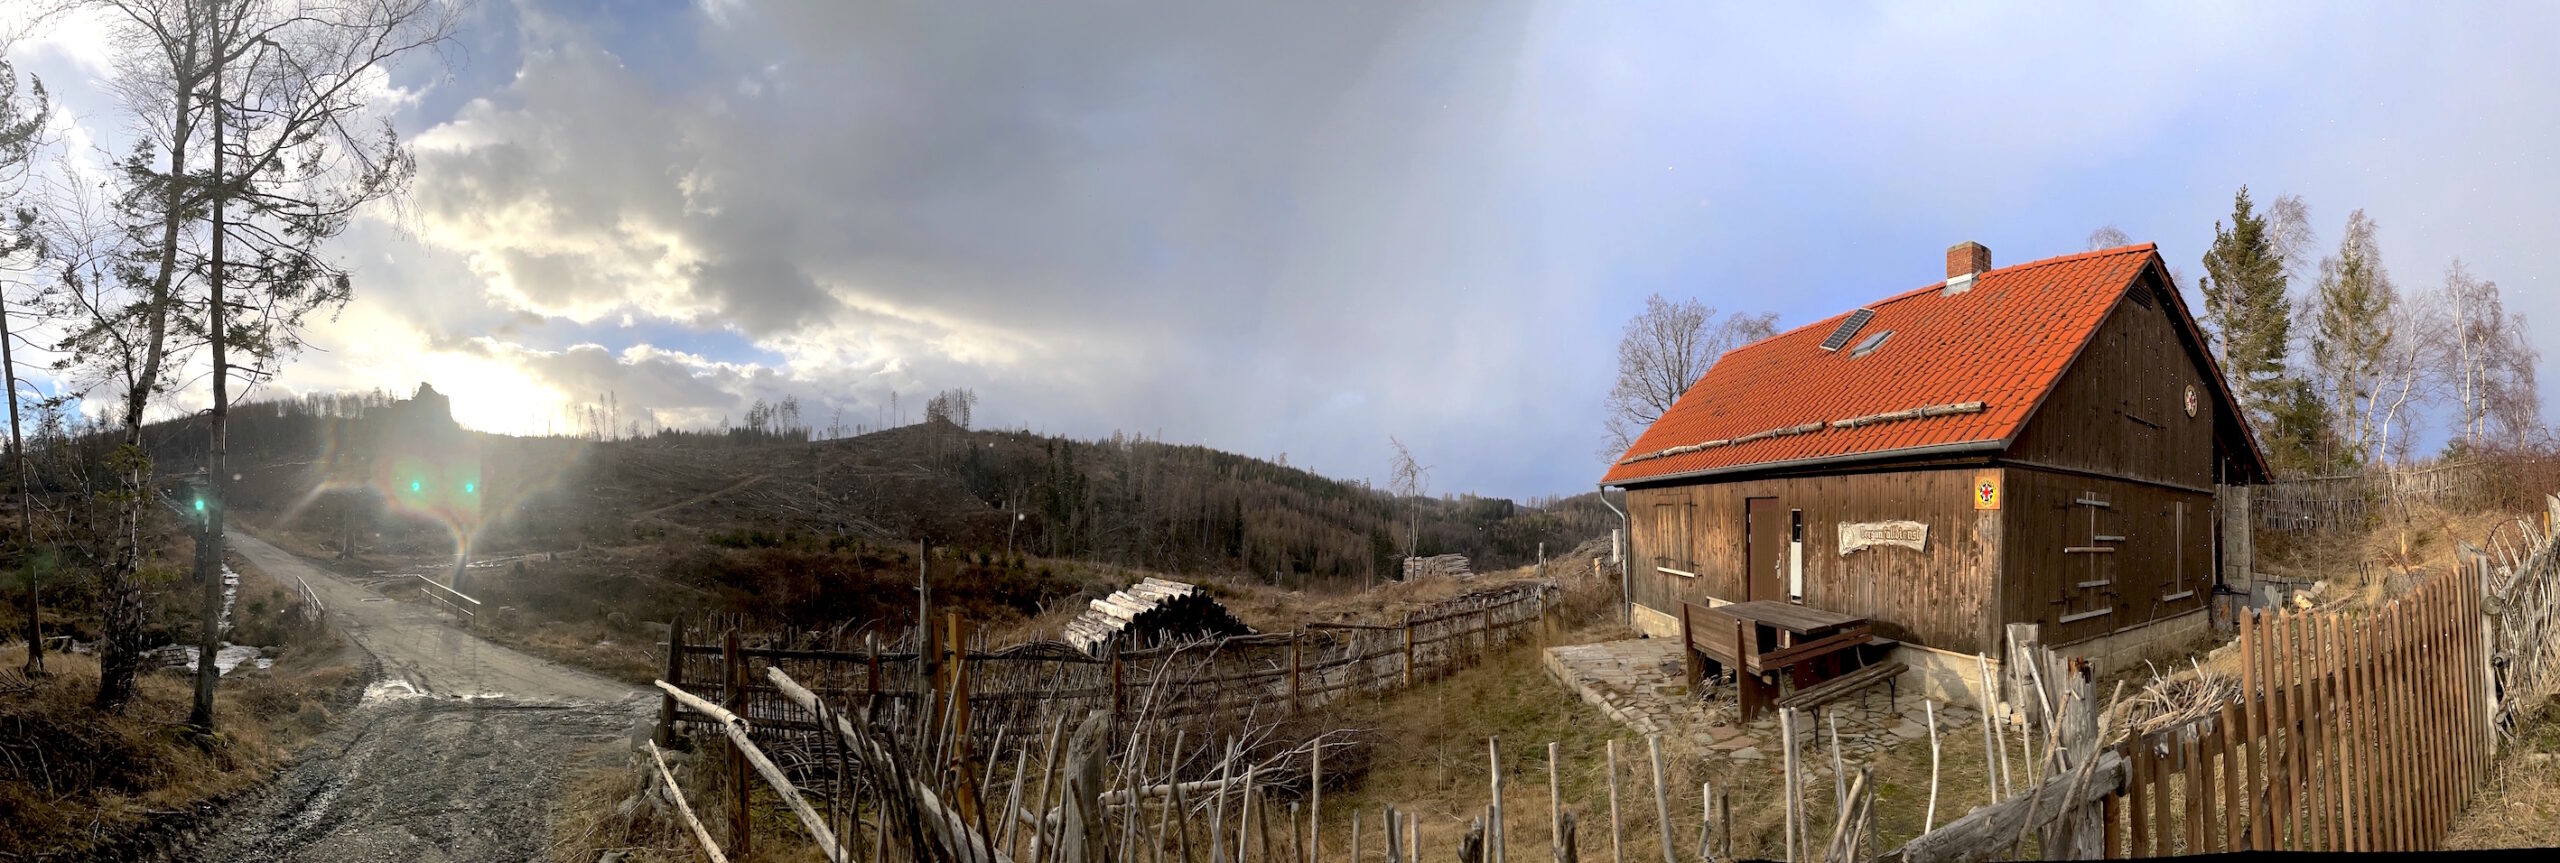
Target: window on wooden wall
(1671, 548)
(2180, 589)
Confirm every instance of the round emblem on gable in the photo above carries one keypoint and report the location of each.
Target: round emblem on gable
(2191, 400)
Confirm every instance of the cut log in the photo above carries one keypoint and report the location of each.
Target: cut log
(1148, 613)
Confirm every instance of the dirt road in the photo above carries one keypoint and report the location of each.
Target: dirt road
(456, 753)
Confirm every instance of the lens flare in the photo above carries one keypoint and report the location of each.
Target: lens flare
(432, 470)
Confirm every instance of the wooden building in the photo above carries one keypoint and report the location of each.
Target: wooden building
(2041, 443)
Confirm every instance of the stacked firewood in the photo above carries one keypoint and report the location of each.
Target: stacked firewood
(1448, 565)
(1152, 612)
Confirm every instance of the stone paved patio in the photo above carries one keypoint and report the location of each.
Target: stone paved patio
(1637, 683)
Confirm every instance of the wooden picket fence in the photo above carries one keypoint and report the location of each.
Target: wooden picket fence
(2348, 733)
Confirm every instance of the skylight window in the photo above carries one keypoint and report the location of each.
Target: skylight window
(1870, 345)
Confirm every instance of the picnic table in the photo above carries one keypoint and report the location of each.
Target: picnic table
(1761, 639)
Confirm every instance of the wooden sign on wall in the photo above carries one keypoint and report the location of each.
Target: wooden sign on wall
(1858, 536)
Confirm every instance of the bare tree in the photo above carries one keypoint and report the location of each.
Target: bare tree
(2108, 237)
(2492, 361)
(23, 120)
(258, 146)
(1666, 348)
(2412, 371)
(1408, 479)
(2289, 232)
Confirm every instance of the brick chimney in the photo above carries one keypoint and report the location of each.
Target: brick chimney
(1967, 258)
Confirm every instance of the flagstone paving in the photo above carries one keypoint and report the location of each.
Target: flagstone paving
(1638, 683)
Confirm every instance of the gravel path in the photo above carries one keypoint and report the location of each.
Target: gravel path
(456, 752)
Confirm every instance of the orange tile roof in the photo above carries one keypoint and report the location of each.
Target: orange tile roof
(1984, 359)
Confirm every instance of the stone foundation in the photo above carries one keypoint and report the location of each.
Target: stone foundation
(2159, 639)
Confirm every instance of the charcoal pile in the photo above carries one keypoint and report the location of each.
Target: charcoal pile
(1149, 613)
(1437, 566)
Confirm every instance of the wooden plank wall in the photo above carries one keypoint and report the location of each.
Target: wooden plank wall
(2051, 537)
(1941, 597)
(2364, 732)
(2121, 408)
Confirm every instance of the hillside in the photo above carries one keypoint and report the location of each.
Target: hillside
(1125, 502)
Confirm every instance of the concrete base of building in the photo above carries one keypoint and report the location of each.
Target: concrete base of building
(2160, 639)
(1656, 624)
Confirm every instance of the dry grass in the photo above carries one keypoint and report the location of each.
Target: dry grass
(603, 811)
(2520, 806)
(1432, 761)
(72, 778)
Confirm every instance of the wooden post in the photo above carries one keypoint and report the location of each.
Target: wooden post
(2301, 720)
(2323, 738)
(957, 635)
(1617, 852)
(1929, 816)
(1408, 650)
(2333, 719)
(1114, 653)
(2437, 731)
(2115, 837)
(2231, 783)
(2254, 701)
(1990, 740)
(2394, 649)
(700, 833)
(1355, 836)
(2354, 738)
(1315, 803)
(733, 676)
(2137, 780)
(1662, 796)
(1218, 811)
(2369, 759)
(1787, 749)
(2076, 691)
(1496, 837)
(1555, 806)
(1395, 836)
(1295, 638)
(2198, 778)
(2283, 762)
(1839, 782)
(675, 675)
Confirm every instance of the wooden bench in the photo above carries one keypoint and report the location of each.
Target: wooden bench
(1844, 685)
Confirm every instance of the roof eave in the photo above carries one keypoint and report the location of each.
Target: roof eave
(1817, 461)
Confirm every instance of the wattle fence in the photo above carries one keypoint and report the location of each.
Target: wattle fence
(1209, 686)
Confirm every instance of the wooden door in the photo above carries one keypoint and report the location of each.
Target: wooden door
(1766, 526)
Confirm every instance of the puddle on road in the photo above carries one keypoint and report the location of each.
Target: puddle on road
(400, 688)
(385, 690)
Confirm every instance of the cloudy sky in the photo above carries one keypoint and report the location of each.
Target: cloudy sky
(1300, 228)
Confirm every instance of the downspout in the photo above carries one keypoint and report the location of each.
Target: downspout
(1625, 547)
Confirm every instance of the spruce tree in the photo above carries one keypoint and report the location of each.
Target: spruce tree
(2251, 319)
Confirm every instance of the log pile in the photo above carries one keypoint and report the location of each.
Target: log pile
(1152, 611)
(1449, 565)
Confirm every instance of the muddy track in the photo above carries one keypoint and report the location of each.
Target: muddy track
(456, 752)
